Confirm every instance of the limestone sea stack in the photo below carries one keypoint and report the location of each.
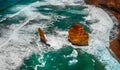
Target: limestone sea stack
(77, 35)
(42, 36)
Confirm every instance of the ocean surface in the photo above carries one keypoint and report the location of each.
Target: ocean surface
(66, 58)
(20, 46)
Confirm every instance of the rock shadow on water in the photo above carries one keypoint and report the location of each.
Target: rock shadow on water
(66, 58)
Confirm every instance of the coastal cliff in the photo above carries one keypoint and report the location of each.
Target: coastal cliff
(113, 6)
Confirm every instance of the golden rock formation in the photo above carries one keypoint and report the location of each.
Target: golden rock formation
(77, 35)
(42, 36)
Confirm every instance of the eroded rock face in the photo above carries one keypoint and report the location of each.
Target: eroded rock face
(77, 35)
(112, 5)
(115, 45)
(42, 36)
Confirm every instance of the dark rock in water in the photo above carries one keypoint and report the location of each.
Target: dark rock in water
(77, 35)
(66, 58)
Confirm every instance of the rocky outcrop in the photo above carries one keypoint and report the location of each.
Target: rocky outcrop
(112, 5)
(78, 36)
(42, 36)
(115, 45)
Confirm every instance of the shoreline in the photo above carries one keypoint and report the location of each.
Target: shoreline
(115, 27)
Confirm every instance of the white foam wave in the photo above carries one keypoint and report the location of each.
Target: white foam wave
(18, 46)
(24, 9)
(21, 40)
(65, 2)
(99, 38)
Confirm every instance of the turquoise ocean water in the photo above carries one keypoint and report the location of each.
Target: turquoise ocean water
(66, 58)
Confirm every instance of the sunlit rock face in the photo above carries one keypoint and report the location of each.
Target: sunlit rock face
(42, 36)
(112, 5)
(77, 35)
